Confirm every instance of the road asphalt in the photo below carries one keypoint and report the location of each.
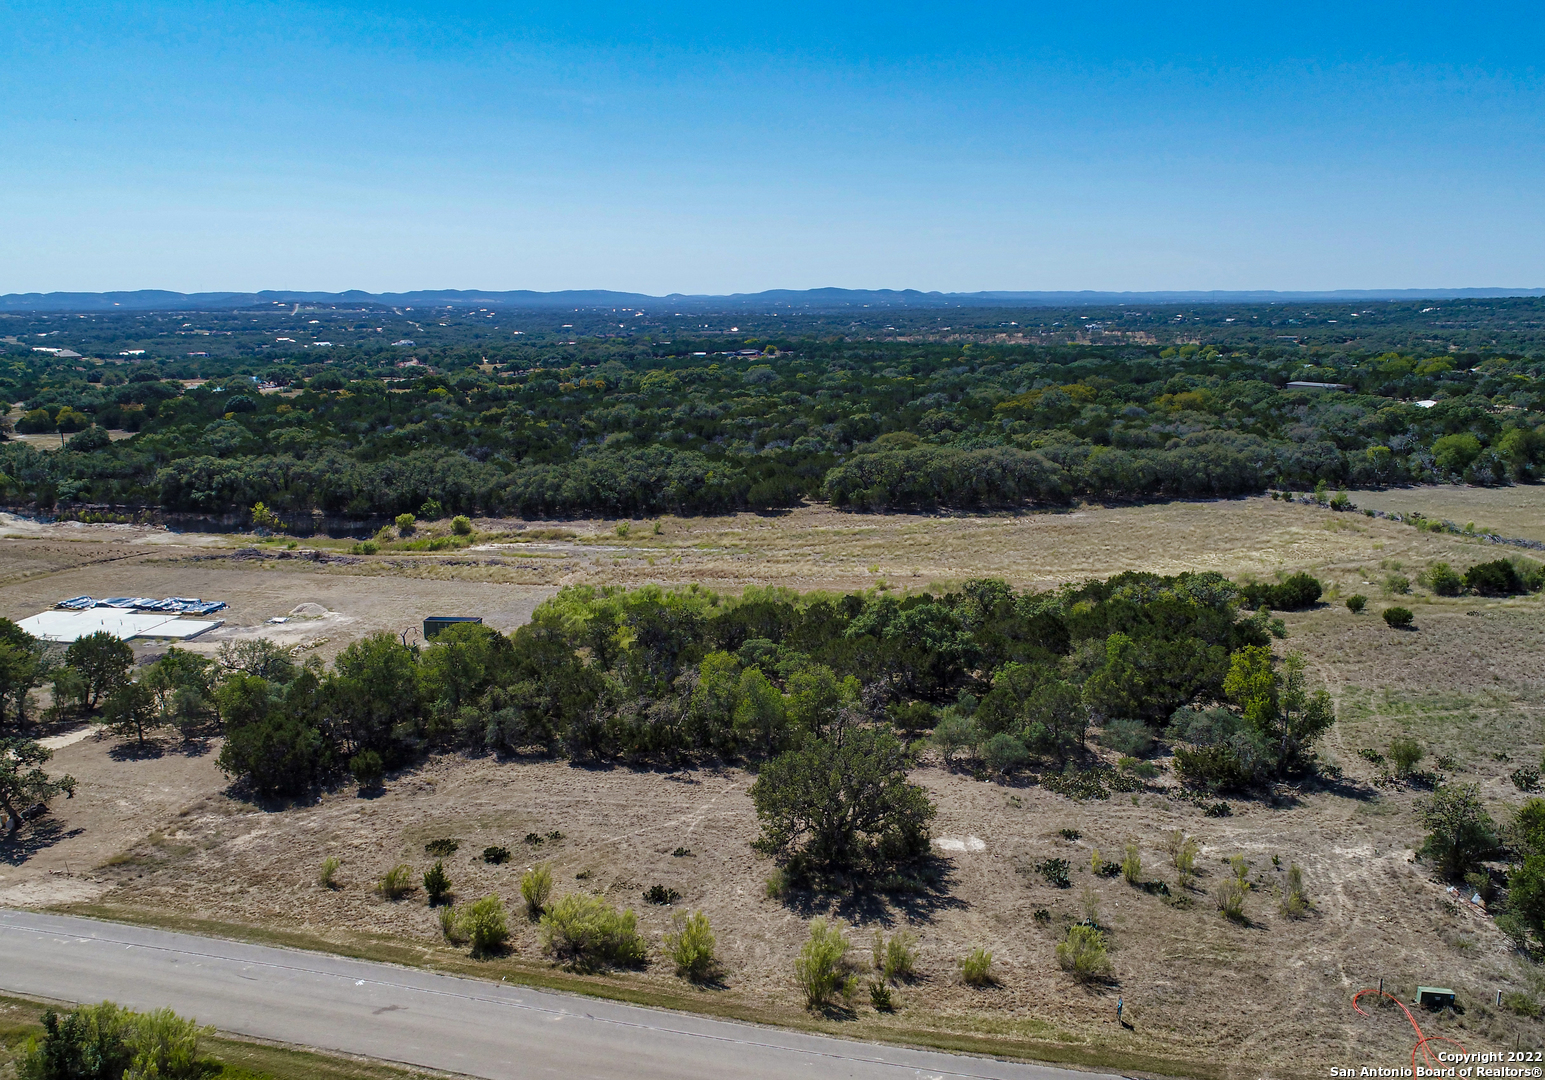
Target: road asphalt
(469, 1026)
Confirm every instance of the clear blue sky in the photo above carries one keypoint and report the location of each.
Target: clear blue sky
(717, 147)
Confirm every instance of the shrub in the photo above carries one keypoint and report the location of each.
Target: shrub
(441, 849)
(436, 882)
(822, 969)
(1295, 898)
(1405, 752)
(396, 882)
(450, 924)
(976, 967)
(1132, 864)
(461, 525)
(1294, 593)
(1230, 896)
(843, 807)
(1526, 778)
(367, 769)
(1003, 753)
(106, 1042)
(536, 887)
(1396, 584)
(1497, 578)
(327, 876)
(496, 856)
(880, 997)
(1182, 851)
(955, 733)
(1129, 737)
(659, 894)
(1461, 831)
(778, 885)
(1083, 953)
(1398, 618)
(1055, 871)
(405, 524)
(1042, 917)
(365, 547)
(485, 924)
(1356, 602)
(1069, 834)
(586, 932)
(691, 944)
(1443, 581)
(895, 958)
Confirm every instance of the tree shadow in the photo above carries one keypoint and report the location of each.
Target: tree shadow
(149, 750)
(866, 901)
(32, 839)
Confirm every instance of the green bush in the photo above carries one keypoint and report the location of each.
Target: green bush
(1497, 578)
(405, 524)
(1356, 602)
(327, 876)
(1230, 897)
(1443, 581)
(881, 998)
(367, 769)
(691, 943)
(1182, 851)
(895, 957)
(587, 933)
(1055, 871)
(1083, 953)
(461, 525)
(496, 855)
(1129, 737)
(976, 967)
(485, 924)
(449, 919)
(1294, 593)
(822, 969)
(396, 882)
(1003, 753)
(442, 848)
(1405, 752)
(955, 733)
(1295, 897)
(106, 1042)
(1398, 618)
(1132, 864)
(436, 882)
(536, 887)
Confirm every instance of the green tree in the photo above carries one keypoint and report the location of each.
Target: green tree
(130, 711)
(1277, 705)
(843, 809)
(761, 716)
(103, 662)
(1460, 831)
(23, 783)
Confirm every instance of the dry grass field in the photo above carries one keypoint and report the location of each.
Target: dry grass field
(160, 840)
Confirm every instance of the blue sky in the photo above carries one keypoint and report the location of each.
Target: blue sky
(734, 147)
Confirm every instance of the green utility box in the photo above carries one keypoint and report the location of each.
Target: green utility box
(1434, 997)
(435, 623)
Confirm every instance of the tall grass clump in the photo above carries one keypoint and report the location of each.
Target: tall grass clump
(536, 887)
(1132, 864)
(896, 957)
(1295, 897)
(1231, 893)
(1182, 851)
(691, 943)
(976, 968)
(586, 933)
(327, 877)
(396, 882)
(822, 969)
(1083, 953)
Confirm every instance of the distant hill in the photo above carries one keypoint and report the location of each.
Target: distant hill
(803, 299)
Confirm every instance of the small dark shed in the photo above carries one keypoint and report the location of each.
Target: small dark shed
(435, 623)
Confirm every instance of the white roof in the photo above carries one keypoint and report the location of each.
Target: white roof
(72, 625)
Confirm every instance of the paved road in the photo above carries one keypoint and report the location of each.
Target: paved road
(460, 1025)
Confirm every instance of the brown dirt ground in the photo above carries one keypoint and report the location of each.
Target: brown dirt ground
(165, 841)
